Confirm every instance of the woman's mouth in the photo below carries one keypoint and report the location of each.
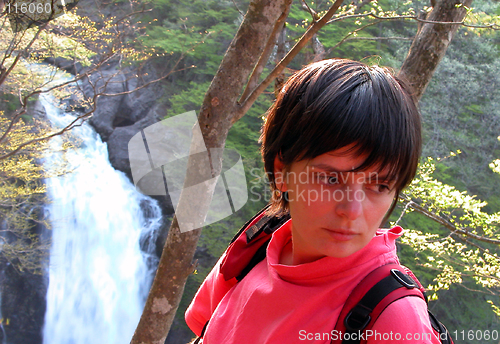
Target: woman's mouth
(341, 234)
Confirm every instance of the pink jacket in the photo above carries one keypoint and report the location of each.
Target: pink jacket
(278, 303)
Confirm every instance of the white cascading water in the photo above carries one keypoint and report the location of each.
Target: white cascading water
(98, 274)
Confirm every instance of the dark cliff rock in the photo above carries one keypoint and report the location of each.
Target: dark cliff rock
(108, 108)
(23, 305)
(128, 102)
(69, 66)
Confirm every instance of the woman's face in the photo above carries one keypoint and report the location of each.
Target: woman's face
(335, 212)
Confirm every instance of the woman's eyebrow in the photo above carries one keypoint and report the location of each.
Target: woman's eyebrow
(371, 176)
(331, 169)
(327, 168)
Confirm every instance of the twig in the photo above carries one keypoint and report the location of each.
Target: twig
(379, 38)
(237, 8)
(4, 75)
(416, 18)
(145, 85)
(403, 212)
(313, 13)
(352, 33)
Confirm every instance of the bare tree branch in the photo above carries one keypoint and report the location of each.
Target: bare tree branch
(6, 73)
(492, 26)
(146, 84)
(352, 33)
(248, 102)
(237, 8)
(379, 39)
(80, 118)
(312, 12)
(24, 100)
(59, 132)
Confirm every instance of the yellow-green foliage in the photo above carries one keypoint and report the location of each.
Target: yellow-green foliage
(21, 195)
(467, 247)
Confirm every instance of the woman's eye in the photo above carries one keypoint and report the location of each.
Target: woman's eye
(380, 188)
(328, 180)
(384, 188)
(332, 180)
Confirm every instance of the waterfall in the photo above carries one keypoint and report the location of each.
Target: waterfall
(103, 231)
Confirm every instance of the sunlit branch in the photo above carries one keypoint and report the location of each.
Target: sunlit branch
(6, 73)
(313, 29)
(23, 100)
(379, 39)
(146, 84)
(416, 18)
(447, 224)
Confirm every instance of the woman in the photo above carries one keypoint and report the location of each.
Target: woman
(339, 144)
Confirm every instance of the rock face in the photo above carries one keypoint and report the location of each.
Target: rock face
(64, 64)
(126, 104)
(23, 305)
(121, 111)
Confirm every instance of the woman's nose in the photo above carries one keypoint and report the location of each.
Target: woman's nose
(351, 203)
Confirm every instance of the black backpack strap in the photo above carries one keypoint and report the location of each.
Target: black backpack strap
(245, 226)
(266, 224)
(198, 340)
(444, 335)
(256, 259)
(389, 288)
(361, 315)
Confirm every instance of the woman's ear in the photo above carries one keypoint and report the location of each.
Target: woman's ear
(279, 174)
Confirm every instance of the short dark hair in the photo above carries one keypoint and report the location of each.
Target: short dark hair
(334, 103)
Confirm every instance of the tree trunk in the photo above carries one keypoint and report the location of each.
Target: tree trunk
(280, 54)
(215, 120)
(431, 42)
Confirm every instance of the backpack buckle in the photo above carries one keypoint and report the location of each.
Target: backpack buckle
(404, 279)
(357, 319)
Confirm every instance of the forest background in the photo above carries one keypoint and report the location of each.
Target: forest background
(453, 202)
(460, 134)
